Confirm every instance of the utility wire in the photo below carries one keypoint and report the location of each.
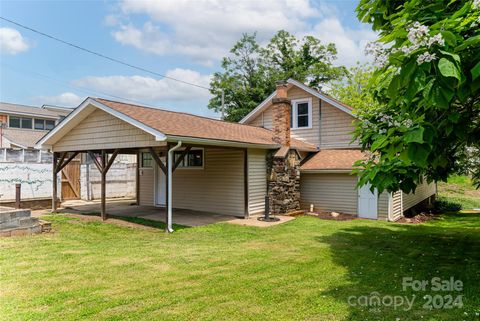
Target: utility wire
(86, 91)
(101, 55)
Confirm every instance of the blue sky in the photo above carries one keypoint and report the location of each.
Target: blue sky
(182, 39)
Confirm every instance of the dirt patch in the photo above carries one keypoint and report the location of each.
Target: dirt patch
(114, 221)
(418, 219)
(333, 216)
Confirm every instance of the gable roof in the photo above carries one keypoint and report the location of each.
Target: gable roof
(292, 82)
(333, 160)
(31, 111)
(167, 125)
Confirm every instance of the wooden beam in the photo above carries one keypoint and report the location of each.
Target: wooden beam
(54, 183)
(103, 183)
(182, 156)
(60, 161)
(111, 160)
(95, 161)
(65, 163)
(158, 160)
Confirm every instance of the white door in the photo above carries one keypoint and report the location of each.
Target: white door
(367, 202)
(160, 185)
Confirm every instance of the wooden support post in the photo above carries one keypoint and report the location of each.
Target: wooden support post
(18, 193)
(103, 193)
(54, 183)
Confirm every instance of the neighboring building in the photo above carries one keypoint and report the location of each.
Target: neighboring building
(22, 126)
(301, 156)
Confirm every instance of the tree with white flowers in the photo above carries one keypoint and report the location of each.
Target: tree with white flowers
(427, 78)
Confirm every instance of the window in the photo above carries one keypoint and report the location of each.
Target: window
(27, 123)
(44, 124)
(301, 113)
(39, 124)
(193, 159)
(146, 160)
(20, 122)
(14, 122)
(49, 124)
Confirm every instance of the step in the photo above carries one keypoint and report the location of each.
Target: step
(27, 221)
(8, 214)
(22, 231)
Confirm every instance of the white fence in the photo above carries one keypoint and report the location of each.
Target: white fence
(36, 180)
(120, 181)
(33, 170)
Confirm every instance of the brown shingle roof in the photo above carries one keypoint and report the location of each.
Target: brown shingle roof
(173, 123)
(23, 137)
(333, 159)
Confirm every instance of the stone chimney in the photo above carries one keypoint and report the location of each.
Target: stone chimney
(281, 115)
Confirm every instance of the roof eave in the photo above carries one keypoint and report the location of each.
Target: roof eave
(219, 142)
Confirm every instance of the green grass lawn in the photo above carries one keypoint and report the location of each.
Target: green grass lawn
(459, 189)
(305, 269)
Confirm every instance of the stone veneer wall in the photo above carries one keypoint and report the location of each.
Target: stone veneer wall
(284, 183)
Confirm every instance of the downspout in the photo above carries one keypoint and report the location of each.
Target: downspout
(169, 182)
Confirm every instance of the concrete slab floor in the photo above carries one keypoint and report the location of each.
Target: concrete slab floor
(126, 207)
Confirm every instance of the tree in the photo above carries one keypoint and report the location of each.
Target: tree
(355, 88)
(428, 80)
(250, 72)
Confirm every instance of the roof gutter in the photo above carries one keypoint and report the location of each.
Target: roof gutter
(326, 171)
(217, 142)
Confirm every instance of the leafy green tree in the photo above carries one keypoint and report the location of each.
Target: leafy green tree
(250, 72)
(355, 88)
(428, 80)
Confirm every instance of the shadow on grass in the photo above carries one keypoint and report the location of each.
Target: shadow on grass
(141, 221)
(377, 259)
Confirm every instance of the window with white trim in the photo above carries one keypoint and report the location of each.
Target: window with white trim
(301, 116)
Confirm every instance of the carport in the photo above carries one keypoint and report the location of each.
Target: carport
(104, 129)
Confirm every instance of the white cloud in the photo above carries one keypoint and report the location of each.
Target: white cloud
(12, 41)
(350, 43)
(66, 99)
(150, 90)
(206, 30)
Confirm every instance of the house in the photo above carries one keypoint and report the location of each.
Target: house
(325, 176)
(203, 164)
(22, 126)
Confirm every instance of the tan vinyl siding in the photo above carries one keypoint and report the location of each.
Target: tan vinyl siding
(331, 127)
(217, 188)
(310, 135)
(146, 187)
(336, 128)
(257, 121)
(102, 130)
(422, 192)
(257, 181)
(329, 192)
(383, 206)
(396, 211)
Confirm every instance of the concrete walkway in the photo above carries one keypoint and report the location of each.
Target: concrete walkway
(125, 207)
